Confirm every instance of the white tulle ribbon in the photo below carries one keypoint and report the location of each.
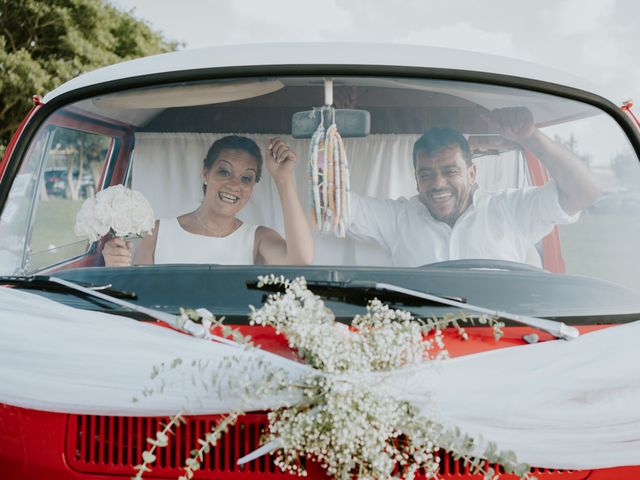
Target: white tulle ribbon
(557, 404)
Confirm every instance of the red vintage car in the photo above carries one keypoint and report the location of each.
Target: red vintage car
(147, 124)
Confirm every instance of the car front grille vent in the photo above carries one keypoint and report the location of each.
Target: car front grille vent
(111, 445)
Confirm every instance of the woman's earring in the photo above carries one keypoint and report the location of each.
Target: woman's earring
(204, 182)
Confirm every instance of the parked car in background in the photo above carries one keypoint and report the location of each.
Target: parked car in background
(55, 180)
(148, 124)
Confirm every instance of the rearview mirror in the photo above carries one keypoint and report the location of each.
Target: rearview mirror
(351, 123)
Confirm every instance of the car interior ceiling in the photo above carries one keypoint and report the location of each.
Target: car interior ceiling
(396, 107)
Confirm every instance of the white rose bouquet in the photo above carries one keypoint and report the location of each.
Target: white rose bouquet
(116, 210)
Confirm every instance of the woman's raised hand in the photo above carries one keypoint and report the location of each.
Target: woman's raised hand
(280, 159)
(117, 253)
(297, 248)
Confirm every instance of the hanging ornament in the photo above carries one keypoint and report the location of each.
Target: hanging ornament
(329, 176)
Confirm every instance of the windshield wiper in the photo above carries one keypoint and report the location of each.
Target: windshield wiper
(359, 291)
(51, 284)
(55, 284)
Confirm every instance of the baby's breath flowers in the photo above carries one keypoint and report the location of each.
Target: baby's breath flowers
(382, 339)
(346, 420)
(353, 429)
(351, 426)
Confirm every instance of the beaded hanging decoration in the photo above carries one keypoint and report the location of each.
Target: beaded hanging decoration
(329, 176)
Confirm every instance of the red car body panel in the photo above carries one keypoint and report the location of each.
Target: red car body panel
(59, 446)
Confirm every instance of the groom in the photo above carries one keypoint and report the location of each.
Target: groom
(453, 218)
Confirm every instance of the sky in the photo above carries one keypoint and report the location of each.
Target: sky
(595, 39)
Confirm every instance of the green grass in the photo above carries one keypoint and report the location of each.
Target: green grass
(53, 238)
(606, 247)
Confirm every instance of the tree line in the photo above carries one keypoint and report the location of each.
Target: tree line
(44, 43)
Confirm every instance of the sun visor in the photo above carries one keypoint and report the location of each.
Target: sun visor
(186, 95)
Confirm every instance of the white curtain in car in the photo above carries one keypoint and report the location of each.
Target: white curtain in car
(557, 404)
(167, 170)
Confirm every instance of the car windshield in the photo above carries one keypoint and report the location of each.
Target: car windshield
(423, 171)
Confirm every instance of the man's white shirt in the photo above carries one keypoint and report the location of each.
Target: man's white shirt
(502, 225)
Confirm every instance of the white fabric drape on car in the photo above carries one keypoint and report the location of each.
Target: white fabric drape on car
(557, 404)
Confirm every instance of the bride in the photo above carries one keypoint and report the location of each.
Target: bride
(212, 233)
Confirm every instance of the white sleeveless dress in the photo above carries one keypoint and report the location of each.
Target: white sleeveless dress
(176, 245)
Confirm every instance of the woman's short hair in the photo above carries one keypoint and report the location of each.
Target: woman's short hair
(234, 142)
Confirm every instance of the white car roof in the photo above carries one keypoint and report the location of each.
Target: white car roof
(265, 54)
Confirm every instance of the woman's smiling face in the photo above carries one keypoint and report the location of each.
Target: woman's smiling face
(230, 181)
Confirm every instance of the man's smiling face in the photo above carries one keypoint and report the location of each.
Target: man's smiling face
(445, 183)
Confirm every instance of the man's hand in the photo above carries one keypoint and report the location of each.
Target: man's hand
(513, 123)
(577, 188)
(117, 253)
(281, 160)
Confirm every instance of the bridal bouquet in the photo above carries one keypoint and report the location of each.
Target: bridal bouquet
(116, 210)
(343, 414)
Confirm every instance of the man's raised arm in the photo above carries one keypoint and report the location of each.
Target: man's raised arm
(577, 188)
